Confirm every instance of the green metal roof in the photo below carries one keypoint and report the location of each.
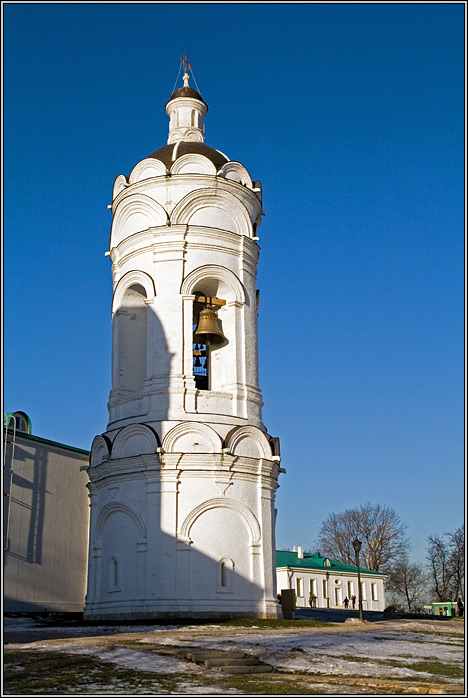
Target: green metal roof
(24, 435)
(8, 415)
(30, 437)
(286, 558)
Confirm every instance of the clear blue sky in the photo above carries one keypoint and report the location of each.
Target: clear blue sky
(352, 117)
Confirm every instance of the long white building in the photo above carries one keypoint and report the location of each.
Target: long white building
(183, 480)
(321, 582)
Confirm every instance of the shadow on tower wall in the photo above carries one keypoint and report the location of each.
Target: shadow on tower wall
(150, 555)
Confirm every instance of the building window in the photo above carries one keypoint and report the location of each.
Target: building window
(350, 589)
(326, 562)
(374, 591)
(114, 574)
(313, 587)
(300, 587)
(363, 591)
(223, 575)
(225, 571)
(338, 596)
(324, 588)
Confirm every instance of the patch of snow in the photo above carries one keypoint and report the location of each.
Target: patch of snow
(127, 658)
(333, 653)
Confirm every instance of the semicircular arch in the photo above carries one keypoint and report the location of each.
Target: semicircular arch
(244, 512)
(133, 278)
(100, 450)
(214, 271)
(192, 437)
(120, 184)
(134, 213)
(146, 169)
(135, 440)
(200, 204)
(236, 172)
(114, 508)
(249, 441)
(193, 163)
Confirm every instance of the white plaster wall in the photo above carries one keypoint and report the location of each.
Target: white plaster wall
(336, 581)
(45, 561)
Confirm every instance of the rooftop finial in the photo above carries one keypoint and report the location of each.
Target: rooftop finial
(187, 67)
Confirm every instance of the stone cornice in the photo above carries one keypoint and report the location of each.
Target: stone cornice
(203, 181)
(185, 237)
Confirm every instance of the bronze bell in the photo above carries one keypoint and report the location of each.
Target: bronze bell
(208, 331)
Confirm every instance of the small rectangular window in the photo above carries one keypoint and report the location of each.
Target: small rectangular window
(350, 589)
(324, 588)
(374, 591)
(363, 591)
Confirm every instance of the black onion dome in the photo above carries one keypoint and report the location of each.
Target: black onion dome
(188, 92)
(165, 154)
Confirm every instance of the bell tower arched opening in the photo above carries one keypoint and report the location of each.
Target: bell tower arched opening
(201, 357)
(130, 329)
(207, 333)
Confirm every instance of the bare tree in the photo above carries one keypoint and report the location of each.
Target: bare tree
(457, 560)
(446, 562)
(407, 585)
(379, 528)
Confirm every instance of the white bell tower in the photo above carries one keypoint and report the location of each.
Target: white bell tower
(183, 481)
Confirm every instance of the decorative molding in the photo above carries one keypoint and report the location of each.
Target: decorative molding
(145, 437)
(208, 439)
(223, 503)
(147, 169)
(193, 163)
(214, 271)
(113, 508)
(132, 278)
(100, 450)
(236, 172)
(148, 213)
(252, 434)
(208, 198)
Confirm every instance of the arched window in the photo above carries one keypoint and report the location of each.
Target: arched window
(211, 336)
(19, 421)
(114, 574)
(130, 340)
(225, 573)
(193, 118)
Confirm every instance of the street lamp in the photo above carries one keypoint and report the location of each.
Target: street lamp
(328, 589)
(357, 547)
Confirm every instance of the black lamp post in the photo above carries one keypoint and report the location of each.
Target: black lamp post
(357, 547)
(328, 589)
